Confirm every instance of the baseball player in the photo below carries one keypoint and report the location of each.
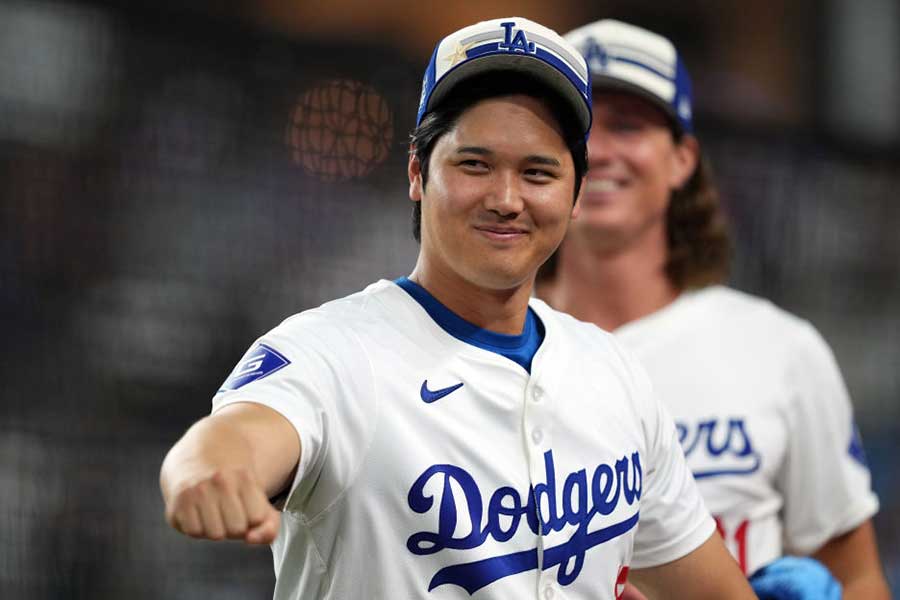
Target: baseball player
(761, 408)
(444, 435)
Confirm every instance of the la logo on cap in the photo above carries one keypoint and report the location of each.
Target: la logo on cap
(517, 42)
(595, 55)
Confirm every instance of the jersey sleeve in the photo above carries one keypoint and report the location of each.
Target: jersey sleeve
(674, 520)
(824, 478)
(316, 377)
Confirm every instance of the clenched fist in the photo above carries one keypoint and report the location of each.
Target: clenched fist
(228, 503)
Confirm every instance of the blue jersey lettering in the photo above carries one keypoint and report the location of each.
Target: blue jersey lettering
(578, 507)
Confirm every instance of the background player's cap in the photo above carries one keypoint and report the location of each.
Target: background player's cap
(511, 44)
(626, 57)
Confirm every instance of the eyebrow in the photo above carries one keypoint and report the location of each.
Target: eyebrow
(534, 158)
(473, 150)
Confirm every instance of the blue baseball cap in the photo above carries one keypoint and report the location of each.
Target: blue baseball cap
(629, 58)
(512, 44)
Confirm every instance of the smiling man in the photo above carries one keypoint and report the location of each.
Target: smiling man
(762, 411)
(445, 435)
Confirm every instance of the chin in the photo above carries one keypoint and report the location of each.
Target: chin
(501, 278)
(599, 224)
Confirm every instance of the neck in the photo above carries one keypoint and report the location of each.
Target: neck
(500, 311)
(610, 286)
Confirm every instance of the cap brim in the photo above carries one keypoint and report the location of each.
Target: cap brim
(516, 63)
(604, 82)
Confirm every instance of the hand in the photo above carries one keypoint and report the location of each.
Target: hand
(226, 504)
(795, 578)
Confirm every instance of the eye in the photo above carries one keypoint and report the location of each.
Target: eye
(538, 174)
(473, 165)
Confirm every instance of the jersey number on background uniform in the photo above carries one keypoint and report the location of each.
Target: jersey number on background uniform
(736, 541)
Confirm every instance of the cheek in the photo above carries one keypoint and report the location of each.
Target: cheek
(554, 209)
(455, 193)
(449, 204)
(646, 159)
(655, 169)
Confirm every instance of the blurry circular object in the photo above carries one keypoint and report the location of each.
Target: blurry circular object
(340, 129)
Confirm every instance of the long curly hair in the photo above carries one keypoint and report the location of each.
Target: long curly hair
(700, 246)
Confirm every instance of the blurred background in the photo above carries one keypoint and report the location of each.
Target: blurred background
(178, 177)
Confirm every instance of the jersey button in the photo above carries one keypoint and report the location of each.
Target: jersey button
(536, 436)
(548, 593)
(537, 395)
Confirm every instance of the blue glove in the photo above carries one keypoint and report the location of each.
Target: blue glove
(795, 578)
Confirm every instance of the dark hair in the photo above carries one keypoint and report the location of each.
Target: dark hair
(443, 118)
(698, 240)
(697, 232)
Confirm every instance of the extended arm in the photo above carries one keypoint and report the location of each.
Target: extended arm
(707, 573)
(217, 479)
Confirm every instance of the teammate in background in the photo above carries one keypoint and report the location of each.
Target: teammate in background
(762, 411)
(445, 430)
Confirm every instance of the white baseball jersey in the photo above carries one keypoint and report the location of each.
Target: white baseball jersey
(434, 468)
(764, 418)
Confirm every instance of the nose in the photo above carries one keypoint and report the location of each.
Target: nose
(601, 146)
(505, 197)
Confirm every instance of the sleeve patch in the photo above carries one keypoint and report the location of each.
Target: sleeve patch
(856, 450)
(260, 361)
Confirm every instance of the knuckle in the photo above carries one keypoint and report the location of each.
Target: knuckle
(244, 476)
(219, 480)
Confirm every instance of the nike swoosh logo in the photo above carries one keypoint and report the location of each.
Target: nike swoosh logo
(429, 396)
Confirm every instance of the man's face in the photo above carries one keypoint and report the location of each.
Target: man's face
(634, 164)
(499, 195)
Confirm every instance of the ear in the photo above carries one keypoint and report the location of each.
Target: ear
(414, 172)
(685, 160)
(576, 208)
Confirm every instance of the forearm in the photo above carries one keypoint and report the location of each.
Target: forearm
(707, 573)
(209, 446)
(871, 587)
(853, 559)
(217, 479)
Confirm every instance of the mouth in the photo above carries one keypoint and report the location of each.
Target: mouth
(604, 185)
(501, 233)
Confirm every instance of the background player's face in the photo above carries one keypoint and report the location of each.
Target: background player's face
(499, 195)
(633, 165)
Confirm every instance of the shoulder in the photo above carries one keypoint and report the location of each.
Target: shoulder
(366, 307)
(750, 312)
(579, 342)
(339, 324)
(580, 334)
(789, 348)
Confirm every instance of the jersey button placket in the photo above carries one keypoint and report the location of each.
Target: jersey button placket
(536, 431)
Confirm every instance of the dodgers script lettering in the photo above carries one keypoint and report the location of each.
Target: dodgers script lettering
(606, 487)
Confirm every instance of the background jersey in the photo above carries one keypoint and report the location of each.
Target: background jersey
(424, 459)
(764, 418)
